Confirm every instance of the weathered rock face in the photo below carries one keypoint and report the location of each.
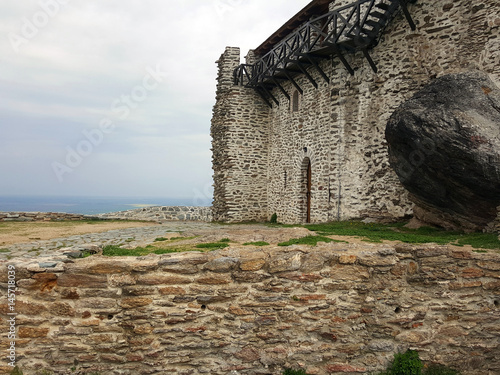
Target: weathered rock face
(444, 144)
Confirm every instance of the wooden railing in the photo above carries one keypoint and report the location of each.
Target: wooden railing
(354, 27)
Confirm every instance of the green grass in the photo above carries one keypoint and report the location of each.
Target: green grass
(258, 243)
(375, 232)
(293, 372)
(172, 239)
(170, 250)
(160, 239)
(409, 363)
(309, 240)
(212, 245)
(115, 250)
(4, 251)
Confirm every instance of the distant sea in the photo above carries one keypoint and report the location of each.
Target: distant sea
(87, 205)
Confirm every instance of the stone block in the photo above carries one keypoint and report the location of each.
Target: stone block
(120, 280)
(214, 280)
(176, 291)
(375, 260)
(472, 273)
(82, 281)
(62, 309)
(252, 264)
(343, 273)
(160, 279)
(348, 259)
(285, 262)
(135, 302)
(32, 333)
(222, 265)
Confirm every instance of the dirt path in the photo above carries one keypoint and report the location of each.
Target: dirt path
(21, 232)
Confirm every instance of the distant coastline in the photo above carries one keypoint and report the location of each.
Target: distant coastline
(85, 205)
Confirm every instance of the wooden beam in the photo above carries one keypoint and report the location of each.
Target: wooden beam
(299, 89)
(321, 72)
(263, 97)
(344, 61)
(370, 61)
(311, 79)
(407, 15)
(281, 89)
(270, 94)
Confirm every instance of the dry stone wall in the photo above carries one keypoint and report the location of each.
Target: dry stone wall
(155, 213)
(334, 309)
(340, 126)
(163, 213)
(40, 216)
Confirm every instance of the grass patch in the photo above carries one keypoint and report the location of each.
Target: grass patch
(171, 250)
(409, 363)
(375, 232)
(167, 251)
(117, 251)
(309, 240)
(480, 240)
(4, 251)
(173, 239)
(160, 239)
(293, 372)
(258, 243)
(212, 245)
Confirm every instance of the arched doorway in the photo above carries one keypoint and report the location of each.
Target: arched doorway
(307, 187)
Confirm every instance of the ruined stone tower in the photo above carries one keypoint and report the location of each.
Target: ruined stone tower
(298, 130)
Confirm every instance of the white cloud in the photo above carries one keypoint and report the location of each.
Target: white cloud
(66, 78)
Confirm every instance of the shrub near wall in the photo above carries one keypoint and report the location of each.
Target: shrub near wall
(332, 309)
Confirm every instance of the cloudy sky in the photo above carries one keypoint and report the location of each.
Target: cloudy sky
(114, 97)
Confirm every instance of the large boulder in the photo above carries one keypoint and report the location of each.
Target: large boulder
(444, 144)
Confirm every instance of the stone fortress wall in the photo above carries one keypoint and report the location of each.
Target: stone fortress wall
(334, 309)
(154, 213)
(163, 213)
(39, 216)
(260, 153)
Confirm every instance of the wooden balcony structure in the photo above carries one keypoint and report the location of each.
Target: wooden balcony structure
(349, 29)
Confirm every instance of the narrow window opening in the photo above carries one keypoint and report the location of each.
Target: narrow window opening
(295, 101)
